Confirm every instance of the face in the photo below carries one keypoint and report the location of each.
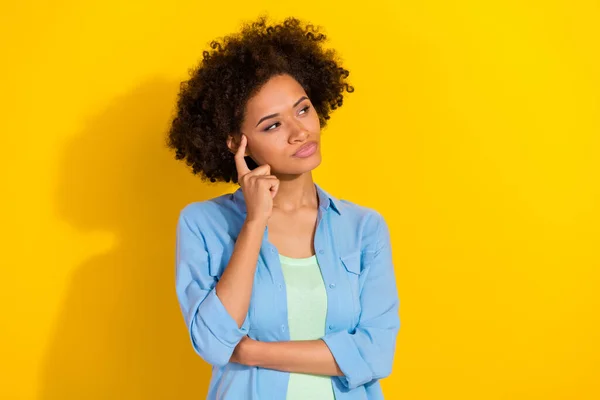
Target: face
(279, 120)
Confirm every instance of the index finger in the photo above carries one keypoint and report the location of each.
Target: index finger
(240, 162)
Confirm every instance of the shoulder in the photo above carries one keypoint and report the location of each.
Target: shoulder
(365, 227)
(203, 214)
(359, 214)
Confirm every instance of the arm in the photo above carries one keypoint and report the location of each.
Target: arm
(368, 352)
(357, 357)
(216, 323)
(235, 285)
(302, 356)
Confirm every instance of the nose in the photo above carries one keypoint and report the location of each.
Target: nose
(298, 131)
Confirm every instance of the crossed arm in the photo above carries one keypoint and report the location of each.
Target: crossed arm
(354, 357)
(305, 356)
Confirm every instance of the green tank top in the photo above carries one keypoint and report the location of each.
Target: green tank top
(307, 311)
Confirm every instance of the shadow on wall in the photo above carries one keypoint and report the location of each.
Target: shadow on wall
(120, 333)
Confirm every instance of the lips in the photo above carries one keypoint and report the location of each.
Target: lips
(306, 148)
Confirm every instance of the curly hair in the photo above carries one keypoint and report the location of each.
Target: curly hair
(211, 104)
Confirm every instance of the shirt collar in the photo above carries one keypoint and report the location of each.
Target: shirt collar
(325, 200)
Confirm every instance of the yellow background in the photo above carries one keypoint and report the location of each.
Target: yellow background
(474, 129)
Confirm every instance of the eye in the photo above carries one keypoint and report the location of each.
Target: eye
(269, 127)
(305, 109)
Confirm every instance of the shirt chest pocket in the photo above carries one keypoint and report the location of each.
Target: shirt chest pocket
(352, 263)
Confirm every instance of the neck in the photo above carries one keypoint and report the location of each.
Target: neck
(296, 192)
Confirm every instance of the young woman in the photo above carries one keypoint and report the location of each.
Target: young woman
(286, 290)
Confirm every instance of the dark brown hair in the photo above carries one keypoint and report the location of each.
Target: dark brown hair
(211, 104)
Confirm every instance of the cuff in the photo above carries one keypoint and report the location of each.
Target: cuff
(346, 354)
(214, 314)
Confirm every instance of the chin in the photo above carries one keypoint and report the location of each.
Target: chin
(302, 166)
(308, 164)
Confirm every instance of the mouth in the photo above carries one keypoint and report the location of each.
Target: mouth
(306, 150)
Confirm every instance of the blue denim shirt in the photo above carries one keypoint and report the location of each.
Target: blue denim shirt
(352, 245)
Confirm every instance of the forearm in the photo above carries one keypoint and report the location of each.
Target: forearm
(234, 288)
(305, 356)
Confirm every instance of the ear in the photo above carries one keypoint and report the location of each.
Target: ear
(230, 144)
(233, 144)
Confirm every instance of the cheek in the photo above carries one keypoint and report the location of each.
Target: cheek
(264, 151)
(314, 123)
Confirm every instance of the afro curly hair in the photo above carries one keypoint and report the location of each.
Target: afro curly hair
(211, 104)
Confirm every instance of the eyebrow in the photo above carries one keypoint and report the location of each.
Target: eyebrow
(276, 114)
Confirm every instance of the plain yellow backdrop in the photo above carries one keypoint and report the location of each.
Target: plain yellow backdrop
(474, 129)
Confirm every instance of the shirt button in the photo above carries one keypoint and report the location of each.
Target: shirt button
(280, 286)
(332, 285)
(331, 327)
(272, 250)
(321, 251)
(282, 328)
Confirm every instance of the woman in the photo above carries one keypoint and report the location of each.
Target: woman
(287, 291)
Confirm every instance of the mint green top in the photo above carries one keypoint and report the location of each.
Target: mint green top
(307, 310)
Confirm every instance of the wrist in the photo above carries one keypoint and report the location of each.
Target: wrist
(255, 353)
(256, 223)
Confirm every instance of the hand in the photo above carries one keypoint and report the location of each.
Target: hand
(258, 186)
(244, 353)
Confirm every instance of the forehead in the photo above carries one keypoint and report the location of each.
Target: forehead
(280, 92)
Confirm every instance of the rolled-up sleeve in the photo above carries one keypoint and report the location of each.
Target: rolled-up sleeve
(367, 353)
(213, 332)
